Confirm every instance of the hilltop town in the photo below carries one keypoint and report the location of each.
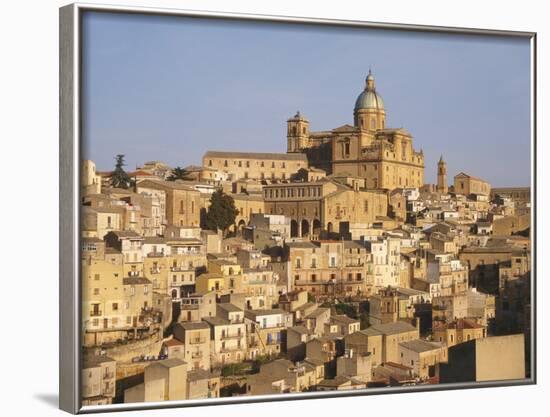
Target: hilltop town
(340, 269)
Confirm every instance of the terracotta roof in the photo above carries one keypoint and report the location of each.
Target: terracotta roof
(173, 342)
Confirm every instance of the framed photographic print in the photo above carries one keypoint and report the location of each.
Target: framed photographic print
(260, 208)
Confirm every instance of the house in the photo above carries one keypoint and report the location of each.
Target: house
(163, 381)
(381, 341)
(98, 380)
(265, 330)
(195, 335)
(228, 339)
(422, 356)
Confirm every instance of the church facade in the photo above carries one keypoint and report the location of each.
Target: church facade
(384, 157)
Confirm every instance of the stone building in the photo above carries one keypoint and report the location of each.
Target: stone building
(328, 268)
(324, 205)
(383, 156)
(98, 380)
(90, 182)
(255, 165)
(183, 202)
(422, 356)
(466, 184)
(195, 335)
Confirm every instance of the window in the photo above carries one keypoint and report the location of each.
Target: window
(225, 163)
(96, 277)
(96, 291)
(115, 306)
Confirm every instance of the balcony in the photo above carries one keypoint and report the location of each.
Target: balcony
(197, 341)
(232, 336)
(196, 355)
(108, 375)
(96, 313)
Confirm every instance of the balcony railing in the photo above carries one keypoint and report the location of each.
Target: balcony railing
(96, 313)
(197, 340)
(108, 375)
(180, 269)
(232, 336)
(196, 355)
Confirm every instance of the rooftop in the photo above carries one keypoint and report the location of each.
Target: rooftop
(420, 345)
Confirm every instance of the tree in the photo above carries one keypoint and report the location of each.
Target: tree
(179, 173)
(120, 179)
(222, 212)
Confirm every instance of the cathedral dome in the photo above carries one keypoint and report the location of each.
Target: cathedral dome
(369, 98)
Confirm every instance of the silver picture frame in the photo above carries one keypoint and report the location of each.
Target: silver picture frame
(70, 67)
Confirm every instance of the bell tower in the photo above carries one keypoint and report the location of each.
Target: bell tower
(442, 176)
(297, 133)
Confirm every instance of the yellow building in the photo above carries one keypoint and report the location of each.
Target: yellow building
(254, 165)
(210, 282)
(98, 380)
(458, 331)
(422, 356)
(328, 268)
(183, 202)
(466, 184)
(196, 338)
(163, 381)
(89, 180)
(385, 157)
(324, 205)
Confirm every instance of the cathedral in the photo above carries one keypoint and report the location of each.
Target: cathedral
(368, 149)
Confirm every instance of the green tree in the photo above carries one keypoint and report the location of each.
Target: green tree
(120, 179)
(179, 173)
(222, 212)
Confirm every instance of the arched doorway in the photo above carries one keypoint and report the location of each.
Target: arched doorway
(329, 227)
(305, 228)
(293, 228)
(241, 224)
(316, 227)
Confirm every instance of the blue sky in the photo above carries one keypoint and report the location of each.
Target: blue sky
(170, 88)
